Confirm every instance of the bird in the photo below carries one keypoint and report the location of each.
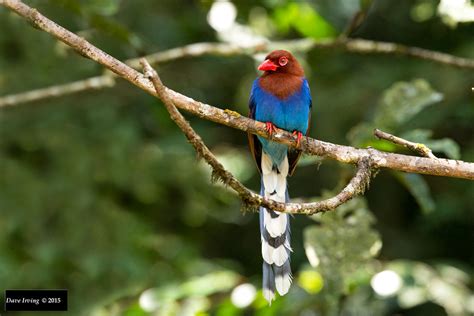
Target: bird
(281, 98)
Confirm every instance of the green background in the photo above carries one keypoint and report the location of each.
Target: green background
(101, 194)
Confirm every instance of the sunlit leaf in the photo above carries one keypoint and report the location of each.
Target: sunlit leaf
(303, 18)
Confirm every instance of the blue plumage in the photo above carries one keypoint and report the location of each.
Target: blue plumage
(290, 114)
(281, 98)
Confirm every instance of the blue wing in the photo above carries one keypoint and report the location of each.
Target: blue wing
(292, 113)
(254, 144)
(295, 154)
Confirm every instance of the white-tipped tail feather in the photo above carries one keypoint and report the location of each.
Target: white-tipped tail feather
(268, 288)
(283, 278)
(280, 255)
(275, 230)
(275, 223)
(274, 182)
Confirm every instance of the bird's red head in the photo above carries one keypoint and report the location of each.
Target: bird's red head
(281, 61)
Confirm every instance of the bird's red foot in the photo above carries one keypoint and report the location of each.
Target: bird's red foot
(299, 135)
(270, 128)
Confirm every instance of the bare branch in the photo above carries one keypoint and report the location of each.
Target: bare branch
(373, 47)
(93, 83)
(346, 154)
(354, 45)
(107, 79)
(355, 187)
(422, 149)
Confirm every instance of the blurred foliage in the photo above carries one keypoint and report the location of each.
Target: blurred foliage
(442, 283)
(330, 247)
(100, 193)
(304, 19)
(195, 290)
(401, 103)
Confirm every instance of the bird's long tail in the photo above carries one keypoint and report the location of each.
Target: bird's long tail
(275, 230)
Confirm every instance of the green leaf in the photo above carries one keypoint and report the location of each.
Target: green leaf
(362, 135)
(304, 19)
(399, 104)
(402, 101)
(418, 188)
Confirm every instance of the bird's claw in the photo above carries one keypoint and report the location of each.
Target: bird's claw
(299, 136)
(270, 128)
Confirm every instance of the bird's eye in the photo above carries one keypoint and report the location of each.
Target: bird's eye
(283, 61)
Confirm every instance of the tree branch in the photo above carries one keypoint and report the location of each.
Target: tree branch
(422, 149)
(107, 80)
(346, 154)
(355, 187)
(354, 45)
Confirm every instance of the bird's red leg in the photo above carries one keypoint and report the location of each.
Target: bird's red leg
(270, 128)
(299, 135)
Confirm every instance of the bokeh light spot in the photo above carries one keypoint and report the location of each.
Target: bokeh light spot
(386, 283)
(221, 16)
(243, 295)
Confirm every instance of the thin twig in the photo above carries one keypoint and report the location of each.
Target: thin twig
(345, 154)
(356, 186)
(202, 150)
(354, 45)
(90, 84)
(107, 79)
(422, 149)
(354, 23)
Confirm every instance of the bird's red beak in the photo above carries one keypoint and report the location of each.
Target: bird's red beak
(267, 65)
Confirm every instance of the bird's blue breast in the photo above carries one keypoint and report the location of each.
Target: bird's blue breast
(290, 114)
